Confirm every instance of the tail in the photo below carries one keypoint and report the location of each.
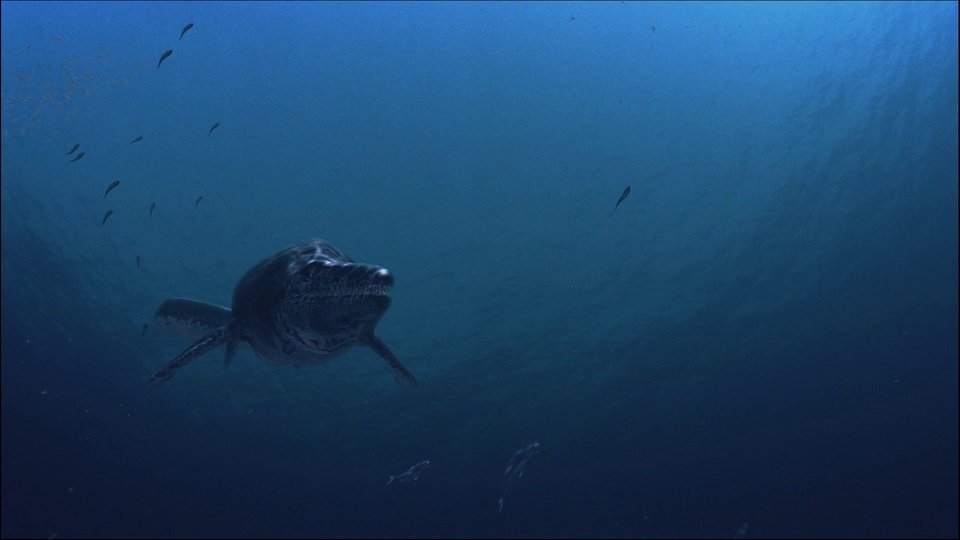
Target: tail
(391, 479)
(500, 502)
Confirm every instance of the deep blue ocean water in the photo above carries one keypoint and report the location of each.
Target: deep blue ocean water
(764, 331)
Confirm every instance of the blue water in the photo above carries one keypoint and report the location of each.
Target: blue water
(764, 332)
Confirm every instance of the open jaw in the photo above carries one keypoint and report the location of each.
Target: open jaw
(352, 279)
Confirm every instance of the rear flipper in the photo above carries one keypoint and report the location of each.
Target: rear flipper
(230, 352)
(217, 337)
(400, 373)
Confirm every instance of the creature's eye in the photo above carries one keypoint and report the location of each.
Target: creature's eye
(306, 271)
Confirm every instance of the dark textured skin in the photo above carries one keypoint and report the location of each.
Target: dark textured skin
(301, 306)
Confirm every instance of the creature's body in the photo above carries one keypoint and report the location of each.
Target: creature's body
(302, 306)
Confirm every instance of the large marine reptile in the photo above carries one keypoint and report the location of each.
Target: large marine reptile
(302, 306)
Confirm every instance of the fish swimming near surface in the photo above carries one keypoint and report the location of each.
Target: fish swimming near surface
(144, 331)
(200, 198)
(138, 139)
(80, 155)
(112, 185)
(622, 197)
(105, 216)
(185, 28)
(213, 127)
(164, 57)
(412, 473)
(138, 262)
(515, 468)
(152, 206)
(72, 150)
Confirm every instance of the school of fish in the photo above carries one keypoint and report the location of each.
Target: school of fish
(74, 153)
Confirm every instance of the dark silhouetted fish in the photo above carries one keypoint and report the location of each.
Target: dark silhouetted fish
(152, 206)
(112, 185)
(185, 28)
(138, 262)
(213, 127)
(622, 197)
(80, 155)
(105, 216)
(138, 139)
(200, 198)
(164, 57)
(72, 150)
(144, 331)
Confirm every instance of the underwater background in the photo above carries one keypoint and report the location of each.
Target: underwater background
(764, 331)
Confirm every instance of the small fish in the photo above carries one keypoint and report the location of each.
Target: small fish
(152, 206)
(622, 197)
(164, 57)
(742, 531)
(138, 262)
(138, 139)
(72, 150)
(144, 331)
(412, 473)
(105, 216)
(185, 28)
(200, 198)
(80, 155)
(515, 468)
(112, 185)
(213, 127)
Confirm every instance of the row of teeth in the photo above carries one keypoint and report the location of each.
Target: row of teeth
(342, 288)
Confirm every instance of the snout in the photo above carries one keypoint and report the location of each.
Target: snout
(377, 279)
(347, 279)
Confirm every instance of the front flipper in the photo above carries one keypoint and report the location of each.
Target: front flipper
(190, 319)
(219, 336)
(400, 373)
